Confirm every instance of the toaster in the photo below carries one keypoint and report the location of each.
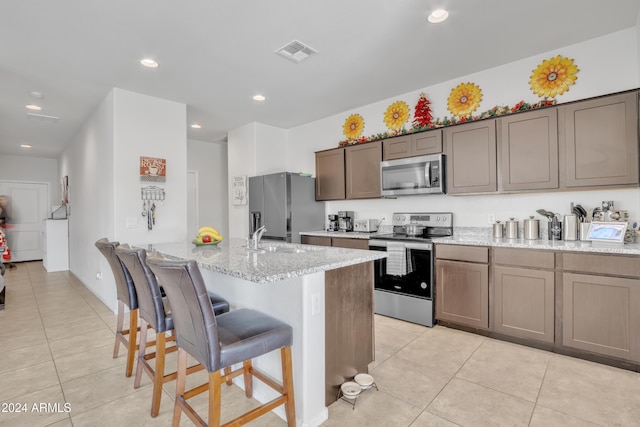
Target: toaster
(366, 225)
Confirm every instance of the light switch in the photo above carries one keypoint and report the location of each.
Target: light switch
(316, 305)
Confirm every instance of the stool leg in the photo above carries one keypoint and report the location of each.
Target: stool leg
(287, 385)
(142, 348)
(227, 371)
(119, 325)
(158, 376)
(133, 337)
(215, 383)
(181, 380)
(248, 378)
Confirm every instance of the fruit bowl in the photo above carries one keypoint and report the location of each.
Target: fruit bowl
(205, 244)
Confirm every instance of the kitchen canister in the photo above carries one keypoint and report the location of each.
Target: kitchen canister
(531, 228)
(570, 227)
(555, 229)
(511, 229)
(498, 230)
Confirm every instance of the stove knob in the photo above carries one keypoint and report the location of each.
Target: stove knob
(437, 218)
(423, 285)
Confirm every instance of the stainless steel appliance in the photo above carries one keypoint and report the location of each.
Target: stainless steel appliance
(284, 203)
(345, 220)
(333, 222)
(404, 281)
(366, 225)
(413, 175)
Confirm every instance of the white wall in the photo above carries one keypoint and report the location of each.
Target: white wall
(102, 162)
(254, 149)
(210, 161)
(504, 85)
(32, 169)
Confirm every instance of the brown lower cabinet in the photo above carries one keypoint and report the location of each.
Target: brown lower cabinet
(583, 304)
(462, 285)
(339, 242)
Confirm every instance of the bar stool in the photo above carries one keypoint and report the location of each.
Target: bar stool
(126, 294)
(155, 312)
(218, 342)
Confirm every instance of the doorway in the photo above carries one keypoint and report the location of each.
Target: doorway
(28, 208)
(192, 204)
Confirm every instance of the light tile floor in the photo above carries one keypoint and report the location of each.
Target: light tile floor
(56, 341)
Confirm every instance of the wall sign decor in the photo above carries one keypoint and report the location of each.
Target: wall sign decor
(239, 190)
(464, 99)
(553, 77)
(396, 116)
(353, 126)
(153, 169)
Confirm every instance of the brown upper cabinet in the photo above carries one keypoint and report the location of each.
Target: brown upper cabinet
(363, 170)
(599, 141)
(528, 150)
(349, 173)
(471, 157)
(416, 144)
(330, 177)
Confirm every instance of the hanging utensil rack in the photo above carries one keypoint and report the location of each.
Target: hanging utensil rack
(150, 195)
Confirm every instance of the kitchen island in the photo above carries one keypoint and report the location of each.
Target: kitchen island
(324, 293)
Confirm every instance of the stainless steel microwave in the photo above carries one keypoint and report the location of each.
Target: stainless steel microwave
(413, 175)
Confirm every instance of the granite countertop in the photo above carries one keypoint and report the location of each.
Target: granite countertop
(276, 261)
(556, 245)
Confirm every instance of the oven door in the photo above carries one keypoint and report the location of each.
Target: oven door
(416, 283)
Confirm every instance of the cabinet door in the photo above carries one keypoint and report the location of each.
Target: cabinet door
(315, 240)
(599, 141)
(330, 175)
(602, 315)
(471, 157)
(528, 150)
(462, 293)
(346, 242)
(524, 303)
(363, 170)
(396, 148)
(429, 142)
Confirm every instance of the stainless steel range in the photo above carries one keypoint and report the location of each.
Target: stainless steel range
(404, 281)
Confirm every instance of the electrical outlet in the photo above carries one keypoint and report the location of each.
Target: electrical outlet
(492, 218)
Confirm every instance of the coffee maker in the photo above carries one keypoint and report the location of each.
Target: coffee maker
(333, 223)
(345, 221)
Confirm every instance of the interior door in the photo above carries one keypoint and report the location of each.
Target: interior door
(192, 204)
(28, 208)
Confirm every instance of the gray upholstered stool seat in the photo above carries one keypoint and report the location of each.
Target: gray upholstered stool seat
(219, 341)
(154, 311)
(126, 294)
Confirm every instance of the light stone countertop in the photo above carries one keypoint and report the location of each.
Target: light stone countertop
(276, 261)
(555, 245)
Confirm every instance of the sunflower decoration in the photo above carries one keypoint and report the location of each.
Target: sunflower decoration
(353, 126)
(464, 99)
(397, 115)
(553, 77)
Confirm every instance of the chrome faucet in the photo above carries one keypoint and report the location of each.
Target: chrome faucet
(257, 235)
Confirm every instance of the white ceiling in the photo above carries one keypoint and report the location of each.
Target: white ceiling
(215, 54)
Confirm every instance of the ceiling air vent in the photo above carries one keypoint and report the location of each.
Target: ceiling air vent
(296, 51)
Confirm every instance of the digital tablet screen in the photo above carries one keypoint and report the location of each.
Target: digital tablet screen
(607, 231)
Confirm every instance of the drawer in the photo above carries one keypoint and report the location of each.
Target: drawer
(613, 265)
(479, 254)
(524, 257)
(345, 242)
(316, 240)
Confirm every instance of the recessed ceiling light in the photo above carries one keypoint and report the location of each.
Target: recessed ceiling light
(25, 145)
(258, 98)
(196, 126)
(36, 94)
(33, 107)
(150, 63)
(438, 16)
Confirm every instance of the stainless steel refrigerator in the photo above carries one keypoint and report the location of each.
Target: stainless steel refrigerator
(286, 204)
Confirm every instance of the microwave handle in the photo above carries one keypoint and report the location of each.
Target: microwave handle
(427, 174)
